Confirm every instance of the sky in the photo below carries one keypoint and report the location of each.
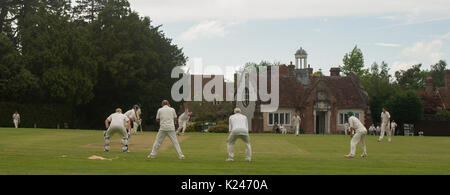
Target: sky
(230, 33)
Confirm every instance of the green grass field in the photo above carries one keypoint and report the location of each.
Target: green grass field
(42, 151)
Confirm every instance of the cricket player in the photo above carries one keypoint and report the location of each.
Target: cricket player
(118, 121)
(297, 121)
(183, 120)
(393, 127)
(238, 127)
(359, 135)
(134, 115)
(385, 121)
(16, 119)
(166, 117)
(346, 128)
(372, 130)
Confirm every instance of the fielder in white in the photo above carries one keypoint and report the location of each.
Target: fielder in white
(182, 121)
(358, 136)
(393, 127)
(166, 117)
(372, 130)
(118, 121)
(385, 121)
(238, 127)
(16, 119)
(297, 122)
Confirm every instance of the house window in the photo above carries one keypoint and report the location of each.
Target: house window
(342, 119)
(279, 118)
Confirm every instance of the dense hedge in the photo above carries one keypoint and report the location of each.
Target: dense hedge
(44, 116)
(220, 128)
(194, 127)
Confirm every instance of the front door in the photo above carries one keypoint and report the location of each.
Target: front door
(320, 122)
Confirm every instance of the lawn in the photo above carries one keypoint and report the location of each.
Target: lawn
(49, 151)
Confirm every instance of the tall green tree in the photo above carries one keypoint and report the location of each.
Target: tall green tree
(354, 62)
(16, 82)
(135, 61)
(412, 78)
(59, 53)
(437, 72)
(379, 88)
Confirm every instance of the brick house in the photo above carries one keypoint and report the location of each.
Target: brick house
(438, 99)
(320, 100)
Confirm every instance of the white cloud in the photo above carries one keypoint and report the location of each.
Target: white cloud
(207, 29)
(387, 44)
(423, 52)
(195, 10)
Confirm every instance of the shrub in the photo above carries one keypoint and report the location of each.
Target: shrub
(194, 127)
(220, 128)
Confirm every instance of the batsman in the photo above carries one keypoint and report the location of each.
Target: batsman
(358, 134)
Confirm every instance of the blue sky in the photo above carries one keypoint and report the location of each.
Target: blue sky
(232, 32)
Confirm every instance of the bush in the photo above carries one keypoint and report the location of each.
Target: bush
(442, 115)
(220, 128)
(194, 127)
(405, 107)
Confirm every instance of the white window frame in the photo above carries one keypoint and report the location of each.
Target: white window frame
(287, 118)
(342, 114)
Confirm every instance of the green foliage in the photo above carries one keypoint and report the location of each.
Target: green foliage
(411, 79)
(437, 72)
(194, 127)
(219, 128)
(405, 107)
(317, 74)
(354, 62)
(16, 82)
(442, 115)
(379, 88)
(43, 115)
(93, 56)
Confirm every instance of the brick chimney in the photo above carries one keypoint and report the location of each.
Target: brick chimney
(310, 70)
(429, 85)
(447, 79)
(291, 69)
(335, 72)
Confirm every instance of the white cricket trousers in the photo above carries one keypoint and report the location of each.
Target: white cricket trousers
(385, 129)
(232, 139)
(360, 136)
(119, 130)
(297, 129)
(16, 124)
(160, 138)
(135, 127)
(182, 126)
(393, 131)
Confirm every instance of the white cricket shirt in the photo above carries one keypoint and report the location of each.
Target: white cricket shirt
(238, 124)
(131, 114)
(117, 120)
(16, 117)
(354, 123)
(385, 117)
(185, 116)
(166, 116)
